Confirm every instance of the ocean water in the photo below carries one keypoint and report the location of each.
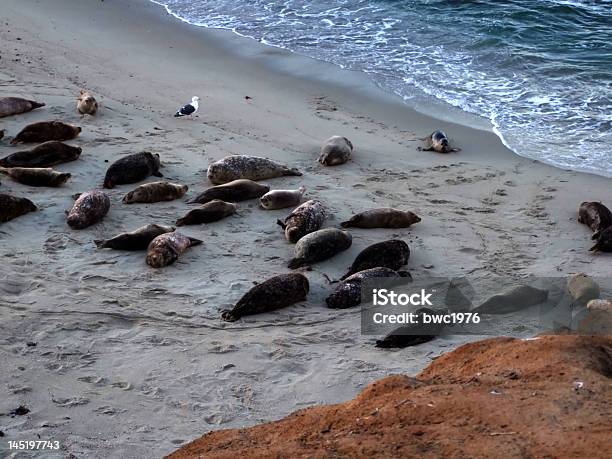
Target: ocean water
(539, 70)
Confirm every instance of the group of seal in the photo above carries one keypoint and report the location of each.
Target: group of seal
(599, 219)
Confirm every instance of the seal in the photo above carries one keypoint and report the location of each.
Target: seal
(413, 334)
(132, 168)
(438, 141)
(279, 199)
(348, 293)
(43, 131)
(208, 213)
(36, 176)
(89, 208)
(336, 150)
(320, 245)
(604, 241)
(86, 103)
(238, 190)
(166, 248)
(385, 217)
(16, 105)
(596, 216)
(156, 192)
(138, 239)
(514, 299)
(12, 207)
(247, 167)
(392, 254)
(303, 220)
(275, 293)
(44, 155)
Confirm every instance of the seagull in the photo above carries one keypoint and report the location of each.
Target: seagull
(188, 109)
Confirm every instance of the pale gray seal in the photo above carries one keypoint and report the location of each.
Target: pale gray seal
(336, 150)
(16, 105)
(279, 199)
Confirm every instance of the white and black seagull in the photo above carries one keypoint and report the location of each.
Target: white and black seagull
(188, 109)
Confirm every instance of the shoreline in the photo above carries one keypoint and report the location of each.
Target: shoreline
(135, 362)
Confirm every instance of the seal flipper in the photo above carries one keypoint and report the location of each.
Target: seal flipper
(193, 241)
(100, 243)
(228, 316)
(281, 224)
(158, 174)
(294, 172)
(594, 237)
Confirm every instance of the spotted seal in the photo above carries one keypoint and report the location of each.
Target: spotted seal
(247, 167)
(166, 248)
(89, 208)
(275, 293)
(304, 219)
(87, 103)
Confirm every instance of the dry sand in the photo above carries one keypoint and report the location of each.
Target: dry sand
(133, 362)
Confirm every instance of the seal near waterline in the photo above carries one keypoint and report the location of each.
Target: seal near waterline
(44, 131)
(36, 176)
(138, 239)
(604, 241)
(275, 293)
(166, 248)
(304, 219)
(438, 141)
(208, 213)
(385, 217)
(132, 168)
(16, 105)
(235, 191)
(87, 103)
(12, 207)
(44, 155)
(594, 215)
(320, 245)
(392, 254)
(1, 134)
(156, 192)
(247, 167)
(348, 293)
(415, 333)
(336, 150)
(89, 208)
(280, 199)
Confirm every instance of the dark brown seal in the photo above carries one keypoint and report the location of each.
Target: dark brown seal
(235, 191)
(320, 245)
(12, 207)
(275, 293)
(348, 293)
(46, 154)
(43, 131)
(16, 105)
(596, 216)
(208, 213)
(156, 192)
(385, 217)
(392, 254)
(247, 167)
(132, 168)
(413, 334)
(604, 241)
(138, 239)
(86, 103)
(36, 176)
(166, 248)
(303, 220)
(438, 141)
(89, 208)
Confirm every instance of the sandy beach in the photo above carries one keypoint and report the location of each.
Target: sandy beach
(133, 362)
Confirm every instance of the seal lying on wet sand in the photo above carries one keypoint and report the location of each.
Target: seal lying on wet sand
(132, 168)
(86, 103)
(392, 254)
(166, 248)
(43, 131)
(279, 199)
(320, 245)
(155, 192)
(413, 334)
(303, 220)
(235, 191)
(336, 150)
(210, 212)
(247, 167)
(274, 293)
(604, 241)
(44, 155)
(385, 217)
(36, 176)
(596, 216)
(89, 208)
(12, 207)
(138, 239)
(438, 141)
(16, 105)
